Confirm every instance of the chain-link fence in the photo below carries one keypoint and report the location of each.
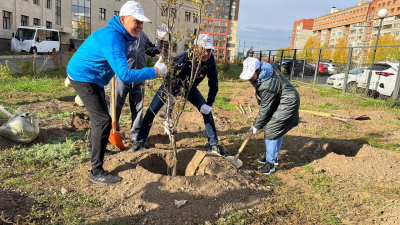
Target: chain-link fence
(373, 71)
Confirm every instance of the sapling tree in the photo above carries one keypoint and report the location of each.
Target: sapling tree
(176, 91)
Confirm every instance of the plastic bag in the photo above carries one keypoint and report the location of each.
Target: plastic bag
(22, 126)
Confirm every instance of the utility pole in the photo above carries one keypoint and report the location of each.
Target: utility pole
(244, 46)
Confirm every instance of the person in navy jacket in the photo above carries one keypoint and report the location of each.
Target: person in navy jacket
(181, 72)
(102, 55)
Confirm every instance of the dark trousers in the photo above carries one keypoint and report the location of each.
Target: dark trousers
(195, 98)
(136, 99)
(93, 97)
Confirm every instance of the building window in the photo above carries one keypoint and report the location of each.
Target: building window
(195, 18)
(48, 4)
(24, 20)
(116, 13)
(81, 18)
(58, 12)
(36, 22)
(174, 47)
(102, 14)
(36, 2)
(48, 25)
(383, 4)
(6, 20)
(388, 3)
(187, 16)
(392, 10)
(226, 2)
(117, 0)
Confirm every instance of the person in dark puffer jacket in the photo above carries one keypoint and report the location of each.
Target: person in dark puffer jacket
(279, 107)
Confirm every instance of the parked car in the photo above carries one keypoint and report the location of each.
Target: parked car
(298, 69)
(322, 70)
(383, 78)
(332, 69)
(337, 81)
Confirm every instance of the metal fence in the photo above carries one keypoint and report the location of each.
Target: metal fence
(363, 70)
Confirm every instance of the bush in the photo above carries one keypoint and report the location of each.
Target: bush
(223, 66)
(5, 72)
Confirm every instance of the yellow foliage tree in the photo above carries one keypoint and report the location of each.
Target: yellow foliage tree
(312, 42)
(386, 53)
(286, 53)
(340, 54)
(326, 53)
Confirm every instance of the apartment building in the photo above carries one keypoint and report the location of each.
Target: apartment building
(302, 30)
(77, 19)
(222, 18)
(358, 25)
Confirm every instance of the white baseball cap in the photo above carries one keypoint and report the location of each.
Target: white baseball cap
(205, 41)
(135, 9)
(250, 65)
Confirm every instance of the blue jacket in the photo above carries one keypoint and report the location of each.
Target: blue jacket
(182, 69)
(103, 54)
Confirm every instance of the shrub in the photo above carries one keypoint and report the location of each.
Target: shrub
(5, 72)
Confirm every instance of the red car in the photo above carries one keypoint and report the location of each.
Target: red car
(323, 70)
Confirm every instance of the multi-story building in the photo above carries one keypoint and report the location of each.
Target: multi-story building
(77, 19)
(302, 30)
(222, 17)
(357, 25)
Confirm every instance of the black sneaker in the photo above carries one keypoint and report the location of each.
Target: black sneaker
(264, 160)
(138, 145)
(103, 177)
(218, 150)
(267, 169)
(108, 152)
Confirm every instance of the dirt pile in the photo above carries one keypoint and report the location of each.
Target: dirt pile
(368, 165)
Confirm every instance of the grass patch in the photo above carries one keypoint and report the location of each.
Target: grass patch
(224, 103)
(59, 154)
(329, 106)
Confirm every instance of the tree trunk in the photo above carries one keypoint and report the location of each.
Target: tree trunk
(175, 153)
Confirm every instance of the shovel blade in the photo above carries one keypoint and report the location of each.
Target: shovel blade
(238, 163)
(115, 138)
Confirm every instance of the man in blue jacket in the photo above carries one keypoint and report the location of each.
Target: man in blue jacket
(102, 55)
(182, 71)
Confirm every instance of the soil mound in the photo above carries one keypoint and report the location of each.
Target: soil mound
(368, 165)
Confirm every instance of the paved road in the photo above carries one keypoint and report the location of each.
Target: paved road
(309, 79)
(40, 60)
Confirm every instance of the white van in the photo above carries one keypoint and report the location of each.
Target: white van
(35, 39)
(383, 78)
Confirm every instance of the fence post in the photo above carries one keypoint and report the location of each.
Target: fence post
(273, 58)
(260, 55)
(304, 65)
(280, 63)
(293, 65)
(396, 90)
(317, 66)
(346, 74)
(269, 55)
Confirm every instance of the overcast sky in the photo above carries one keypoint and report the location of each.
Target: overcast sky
(273, 19)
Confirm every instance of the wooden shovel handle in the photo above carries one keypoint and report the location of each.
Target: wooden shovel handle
(114, 111)
(245, 141)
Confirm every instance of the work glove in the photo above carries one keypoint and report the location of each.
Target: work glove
(167, 126)
(253, 129)
(161, 68)
(162, 31)
(205, 109)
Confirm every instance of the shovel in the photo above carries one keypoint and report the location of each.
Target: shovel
(235, 159)
(115, 136)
